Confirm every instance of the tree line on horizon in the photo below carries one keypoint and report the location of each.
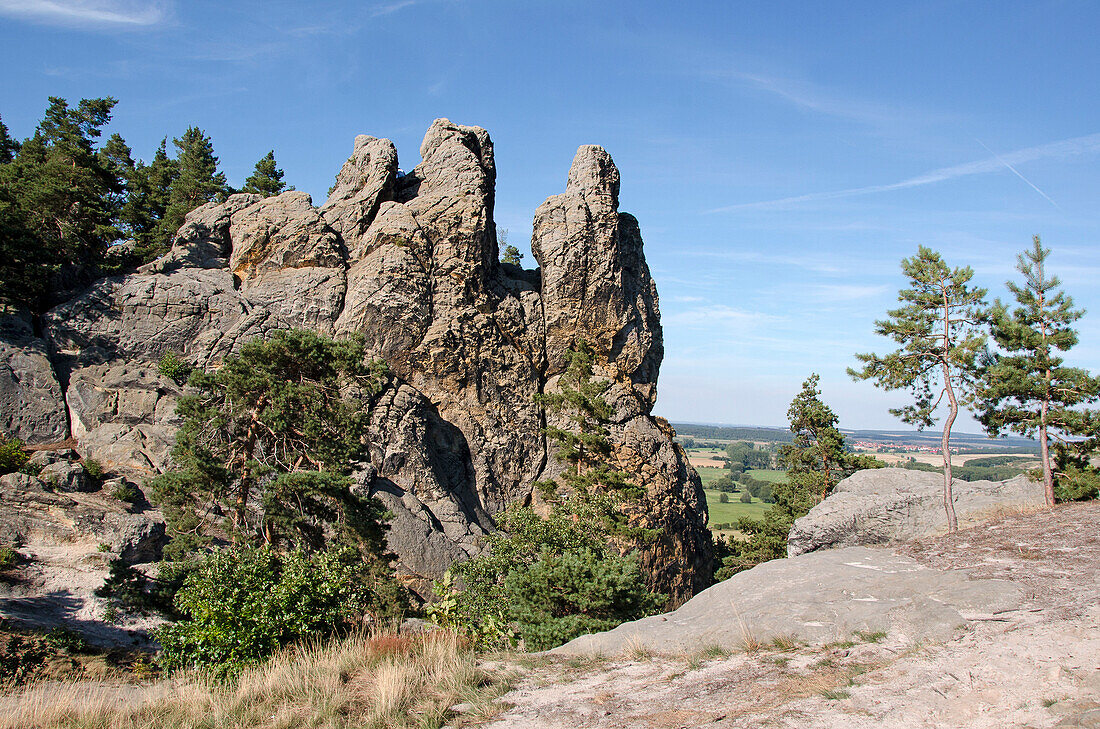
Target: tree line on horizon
(67, 199)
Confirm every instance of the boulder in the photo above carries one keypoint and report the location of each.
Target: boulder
(884, 505)
(816, 598)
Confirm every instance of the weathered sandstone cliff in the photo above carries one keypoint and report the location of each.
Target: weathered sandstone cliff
(410, 263)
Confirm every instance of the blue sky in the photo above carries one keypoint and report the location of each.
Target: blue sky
(781, 157)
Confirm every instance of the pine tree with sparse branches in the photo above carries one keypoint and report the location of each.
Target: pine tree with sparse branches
(1026, 388)
(939, 332)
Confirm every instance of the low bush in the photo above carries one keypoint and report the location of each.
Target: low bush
(239, 606)
(13, 455)
(545, 580)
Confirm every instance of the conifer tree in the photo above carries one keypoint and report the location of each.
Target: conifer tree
(269, 439)
(57, 201)
(197, 180)
(8, 146)
(816, 460)
(1026, 388)
(512, 255)
(938, 331)
(266, 179)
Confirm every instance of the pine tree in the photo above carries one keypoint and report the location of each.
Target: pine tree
(57, 198)
(1026, 388)
(512, 255)
(147, 203)
(816, 460)
(8, 146)
(196, 183)
(938, 330)
(266, 179)
(269, 439)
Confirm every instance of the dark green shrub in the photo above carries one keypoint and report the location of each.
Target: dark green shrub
(12, 454)
(502, 584)
(1077, 484)
(66, 640)
(8, 558)
(723, 498)
(241, 605)
(563, 595)
(746, 497)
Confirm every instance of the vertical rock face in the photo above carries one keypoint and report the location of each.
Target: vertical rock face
(410, 264)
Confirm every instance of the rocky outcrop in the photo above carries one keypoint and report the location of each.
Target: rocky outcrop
(31, 404)
(410, 264)
(880, 506)
(816, 598)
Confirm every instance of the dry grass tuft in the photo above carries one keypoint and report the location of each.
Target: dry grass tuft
(636, 649)
(364, 681)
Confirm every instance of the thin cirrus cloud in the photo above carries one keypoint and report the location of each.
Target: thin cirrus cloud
(709, 316)
(87, 13)
(1077, 146)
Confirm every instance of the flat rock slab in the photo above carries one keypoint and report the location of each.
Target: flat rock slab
(886, 505)
(816, 598)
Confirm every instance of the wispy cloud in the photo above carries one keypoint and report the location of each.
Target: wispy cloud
(387, 8)
(804, 262)
(810, 97)
(88, 13)
(1076, 146)
(718, 314)
(836, 293)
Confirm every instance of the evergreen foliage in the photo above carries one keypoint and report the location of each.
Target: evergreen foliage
(57, 197)
(556, 577)
(815, 462)
(267, 443)
(197, 179)
(512, 255)
(1025, 386)
(938, 331)
(585, 446)
(552, 578)
(13, 455)
(266, 179)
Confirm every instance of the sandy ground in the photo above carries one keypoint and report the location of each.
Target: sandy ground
(1038, 666)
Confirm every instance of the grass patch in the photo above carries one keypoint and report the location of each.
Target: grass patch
(834, 694)
(769, 475)
(710, 474)
(729, 513)
(364, 681)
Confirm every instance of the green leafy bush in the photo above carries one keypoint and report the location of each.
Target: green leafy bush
(174, 367)
(241, 605)
(546, 580)
(127, 492)
(8, 558)
(1075, 483)
(12, 454)
(560, 596)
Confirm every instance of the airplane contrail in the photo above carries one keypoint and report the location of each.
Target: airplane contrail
(1017, 173)
(1065, 148)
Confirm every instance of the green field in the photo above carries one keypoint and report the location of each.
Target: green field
(710, 474)
(768, 475)
(728, 513)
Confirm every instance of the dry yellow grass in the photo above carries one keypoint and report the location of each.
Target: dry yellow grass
(364, 681)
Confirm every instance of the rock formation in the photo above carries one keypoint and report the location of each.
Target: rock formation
(410, 263)
(885, 505)
(816, 598)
